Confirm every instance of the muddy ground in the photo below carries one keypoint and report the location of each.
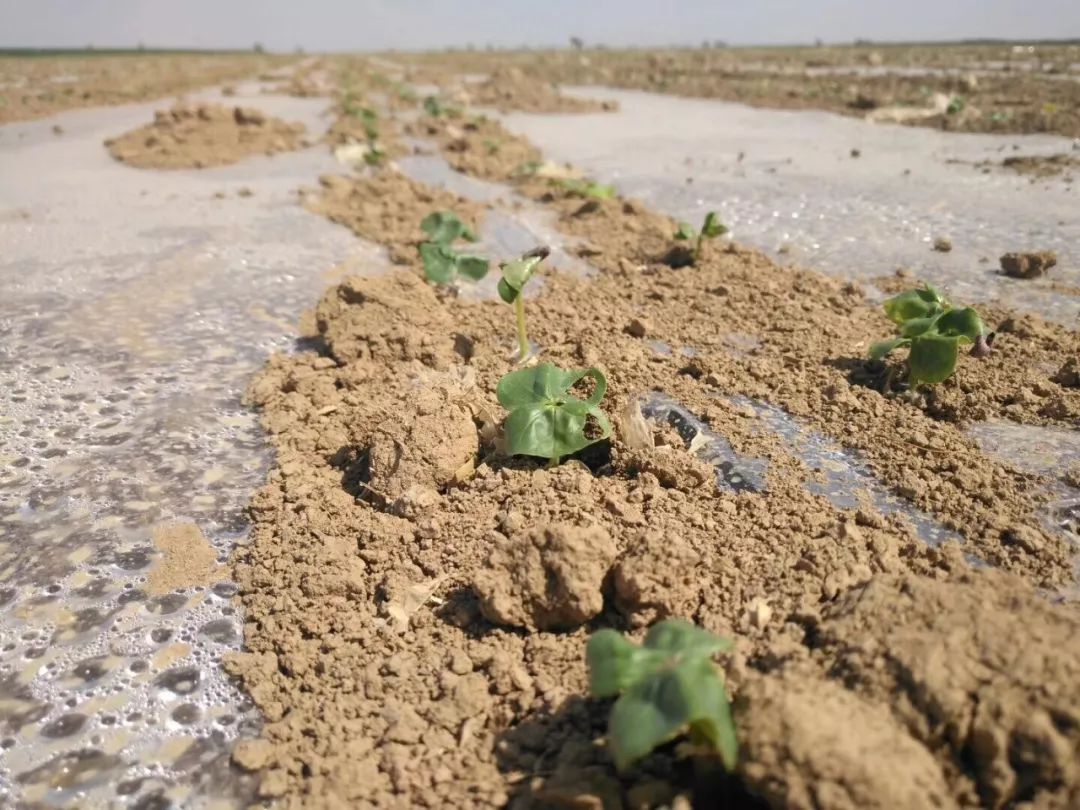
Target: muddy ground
(417, 604)
(987, 88)
(36, 86)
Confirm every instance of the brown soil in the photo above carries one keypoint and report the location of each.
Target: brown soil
(387, 208)
(1017, 95)
(1041, 166)
(508, 89)
(195, 137)
(479, 147)
(33, 86)
(418, 605)
(187, 560)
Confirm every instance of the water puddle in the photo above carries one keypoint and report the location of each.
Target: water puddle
(787, 183)
(1047, 451)
(136, 307)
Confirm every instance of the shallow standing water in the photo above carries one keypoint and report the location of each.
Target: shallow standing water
(786, 182)
(135, 307)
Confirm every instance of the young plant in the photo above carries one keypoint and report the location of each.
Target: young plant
(374, 156)
(442, 263)
(711, 228)
(666, 687)
(515, 275)
(545, 419)
(446, 228)
(436, 109)
(587, 188)
(932, 330)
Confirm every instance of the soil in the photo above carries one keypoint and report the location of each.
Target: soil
(1041, 166)
(969, 88)
(508, 89)
(417, 604)
(188, 560)
(203, 135)
(34, 86)
(1028, 265)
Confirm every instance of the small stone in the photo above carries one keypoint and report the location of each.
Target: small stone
(759, 613)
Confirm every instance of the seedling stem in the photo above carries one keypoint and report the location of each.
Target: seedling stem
(523, 336)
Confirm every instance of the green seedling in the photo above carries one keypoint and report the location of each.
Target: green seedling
(587, 188)
(711, 228)
(515, 275)
(545, 419)
(446, 228)
(367, 116)
(442, 263)
(433, 108)
(666, 687)
(956, 105)
(933, 331)
(436, 109)
(374, 156)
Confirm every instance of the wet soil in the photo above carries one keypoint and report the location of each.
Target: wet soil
(960, 88)
(417, 604)
(203, 135)
(35, 86)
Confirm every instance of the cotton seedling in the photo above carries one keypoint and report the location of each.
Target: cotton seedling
(436, 109)
(933, 331)
(546, 420)
(374, 156)
(587, 188)
(711, 228)
(515, 275)
(442, 263)
(666, 687)
(446, 228)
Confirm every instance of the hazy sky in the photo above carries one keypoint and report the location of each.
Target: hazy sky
(382, 24)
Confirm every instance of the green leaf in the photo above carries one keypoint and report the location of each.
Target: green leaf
(883, 347)
(916, 326)
(685, 231)
(932, 357)
(506, 292)
(516, 274)
(432, 107)
(440, 266)
(445, 227)
(545, 419)
(713, 227)
(473, 267)
(669, 686)
(910, 305)
(963, 323)
(587, 188)
(676, 636)
(615, 664)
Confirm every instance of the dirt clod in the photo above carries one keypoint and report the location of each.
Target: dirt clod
(546, 578)
(1031, 264)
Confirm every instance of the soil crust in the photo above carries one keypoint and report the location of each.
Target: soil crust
(417, 604)
(203, 135)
